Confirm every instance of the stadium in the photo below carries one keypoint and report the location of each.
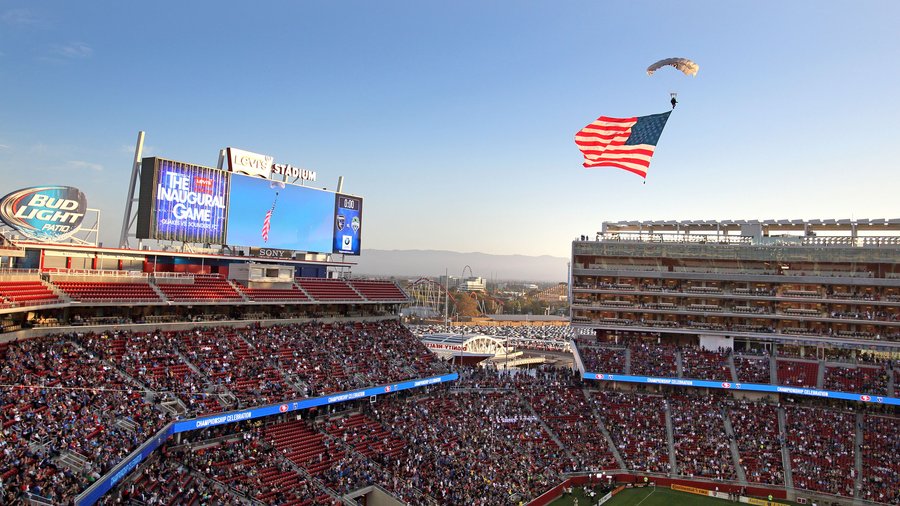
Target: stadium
(225, 355)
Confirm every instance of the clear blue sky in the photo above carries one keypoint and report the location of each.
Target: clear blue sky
(455, 120)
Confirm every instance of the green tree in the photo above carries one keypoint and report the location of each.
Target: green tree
(465, 305)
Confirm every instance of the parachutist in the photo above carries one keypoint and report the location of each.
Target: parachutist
(674, 102)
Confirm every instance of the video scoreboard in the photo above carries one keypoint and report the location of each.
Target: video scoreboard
(190, 203)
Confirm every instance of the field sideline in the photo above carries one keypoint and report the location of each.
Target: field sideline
(650, 496)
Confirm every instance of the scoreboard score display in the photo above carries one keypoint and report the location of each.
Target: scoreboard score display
(347, 224)
(190, 203)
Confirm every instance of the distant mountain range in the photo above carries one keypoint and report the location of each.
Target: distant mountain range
(432, 263)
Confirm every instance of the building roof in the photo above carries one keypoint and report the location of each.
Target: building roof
(772, 225)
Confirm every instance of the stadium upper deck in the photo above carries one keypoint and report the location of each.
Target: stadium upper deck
(44, 284)
(810, 282)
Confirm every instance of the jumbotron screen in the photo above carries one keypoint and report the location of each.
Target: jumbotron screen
(273, 214)
(182, 202)
(191, 203)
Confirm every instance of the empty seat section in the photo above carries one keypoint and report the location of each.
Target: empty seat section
(272, 294)
(796, 373)
(378, 290)
(328, 289)
(205, 288)
(97, 291)
(26, 293)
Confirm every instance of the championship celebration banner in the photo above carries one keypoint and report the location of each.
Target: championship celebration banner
(752, 387)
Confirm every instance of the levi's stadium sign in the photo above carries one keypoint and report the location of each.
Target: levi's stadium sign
(255, 164)
(44, 213)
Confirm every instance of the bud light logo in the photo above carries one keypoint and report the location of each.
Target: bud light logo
(44, 213)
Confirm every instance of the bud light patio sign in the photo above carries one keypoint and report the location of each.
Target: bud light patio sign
(44, 213)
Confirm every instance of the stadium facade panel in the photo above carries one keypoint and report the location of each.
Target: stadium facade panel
(834, 283)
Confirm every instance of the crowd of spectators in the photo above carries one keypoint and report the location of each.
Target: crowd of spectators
(491, 437)
(166, 481)
(65, 402)
(364, 439)
(457, 452)
(637, 425)
(259, 365)
(653, 360)
(699, 363)
(870, 380)
(866, 374)
(602, 359)
(881, 467)
(74, 402)
(484, 441)
(152, 359)
(250, 466)
(753, 369)
(702, 447)
(547, 332)
(821, 444)
(567, 412)
(336, 357)
(758, 440)
(856, 356)
(228, 358)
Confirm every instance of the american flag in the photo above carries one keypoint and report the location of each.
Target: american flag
(266, 223)
(625, 143)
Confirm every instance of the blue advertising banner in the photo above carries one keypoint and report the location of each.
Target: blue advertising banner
(190, 202)
(753, 387)
(287, 407)
(347, 224)
(273, 214)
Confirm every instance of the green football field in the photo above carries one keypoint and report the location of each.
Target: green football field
(650, 496)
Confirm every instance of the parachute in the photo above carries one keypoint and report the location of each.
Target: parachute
(683, 64)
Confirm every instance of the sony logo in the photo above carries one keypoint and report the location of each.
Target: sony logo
(271, 252)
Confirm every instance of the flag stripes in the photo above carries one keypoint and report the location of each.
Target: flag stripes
(624, 143)
(266, 224)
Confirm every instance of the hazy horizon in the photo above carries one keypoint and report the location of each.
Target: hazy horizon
(435, 263)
